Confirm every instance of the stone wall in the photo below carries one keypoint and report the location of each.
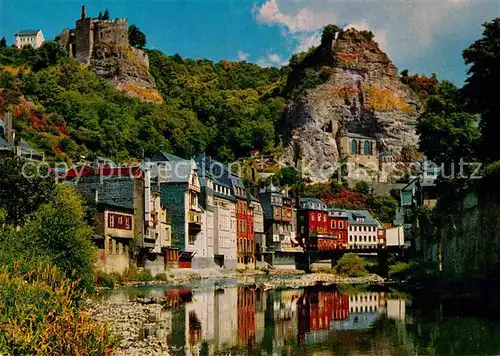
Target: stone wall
(471, 239)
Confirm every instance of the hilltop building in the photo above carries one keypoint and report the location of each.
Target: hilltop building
(89, 33)
(33, 38)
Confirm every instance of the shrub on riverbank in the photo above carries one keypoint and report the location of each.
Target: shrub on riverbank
(40, 313)
(351, 265)
(105, 279)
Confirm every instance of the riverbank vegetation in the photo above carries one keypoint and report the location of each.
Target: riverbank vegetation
(46, 269)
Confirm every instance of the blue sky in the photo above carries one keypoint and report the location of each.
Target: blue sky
(425, 36)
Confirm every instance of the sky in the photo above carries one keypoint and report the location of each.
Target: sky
(424, 36)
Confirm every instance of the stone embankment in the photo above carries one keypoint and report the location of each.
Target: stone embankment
(139, 327)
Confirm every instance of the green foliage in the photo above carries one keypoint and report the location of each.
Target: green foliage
(103, 279)
(363, 187)
(3, 43)
(369, 35)
(59, 234)
(161, 277)
(483, 58)
(288, 176)
(329, 32)
(383, 207)
(326, 270)
(23, 188)
(446, 132)
(50, 53)
(398, 269)
(136, 37)
(106, 15)
(145, 276)
(351, 265)
(40, 314)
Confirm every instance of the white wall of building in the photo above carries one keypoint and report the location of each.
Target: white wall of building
(34, 41)
(362, 236)
(395, 236)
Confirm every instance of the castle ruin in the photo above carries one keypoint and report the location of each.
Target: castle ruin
(103, 46)
(89, 32)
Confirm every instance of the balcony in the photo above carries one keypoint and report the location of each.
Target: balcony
(194, 218)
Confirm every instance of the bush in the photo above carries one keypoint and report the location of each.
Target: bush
(40, 314)
(145, 276)
(161, 277)
(130, 274)
(398, 268)
(362, 187)
(352, 265)
(105, 280)
(327, 270)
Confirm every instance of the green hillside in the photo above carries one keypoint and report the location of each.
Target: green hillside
(225, 108)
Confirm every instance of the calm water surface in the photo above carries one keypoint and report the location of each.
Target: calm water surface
(210, 320)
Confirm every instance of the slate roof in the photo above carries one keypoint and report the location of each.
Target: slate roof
(26, 149)
(27, 32)
(215, 170)
(270, 189)
(114, 191)
(312, 203)
(172, 171)
(358, 136)
(368, 219)
(160, 156)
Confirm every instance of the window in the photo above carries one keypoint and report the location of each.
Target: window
(313, 217)
(367, 148)
(341, 225)
(355, 238)
(324, 217)
(333, 224)
(354, 147)
(364, 239)
(364, 228)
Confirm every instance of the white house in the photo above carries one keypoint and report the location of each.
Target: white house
(33, 38)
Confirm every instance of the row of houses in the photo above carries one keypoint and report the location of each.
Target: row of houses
(197, 213)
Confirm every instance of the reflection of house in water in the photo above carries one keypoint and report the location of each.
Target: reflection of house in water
(246, 316)
(199, 322)
(225, 317)
(318, 309)
(286, 314)
(364, 310)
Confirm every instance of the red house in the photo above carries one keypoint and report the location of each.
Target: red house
(338, 227)
(314, 224)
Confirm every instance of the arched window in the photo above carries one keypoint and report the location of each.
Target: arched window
(367, 148)
(354, 147)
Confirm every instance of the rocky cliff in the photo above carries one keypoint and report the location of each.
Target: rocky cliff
(359, 90)
(126, 67)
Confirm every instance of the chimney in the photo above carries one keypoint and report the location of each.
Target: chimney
(84, 12)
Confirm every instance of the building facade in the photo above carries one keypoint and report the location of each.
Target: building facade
(363, 230)
(280, 249)
(33, 38)
(315, 225)
(339, 227)
(179, 189)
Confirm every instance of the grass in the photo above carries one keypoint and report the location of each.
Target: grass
(40, 313)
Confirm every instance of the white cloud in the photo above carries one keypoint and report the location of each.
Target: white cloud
(272, 60)
(304, 20)
(407, 30)
(242, 56)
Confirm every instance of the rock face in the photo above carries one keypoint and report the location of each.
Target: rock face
(362, 94)
(126, 67)
(103, 46)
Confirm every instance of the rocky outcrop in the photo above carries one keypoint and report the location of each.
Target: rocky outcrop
(126, 67)
(363, 94)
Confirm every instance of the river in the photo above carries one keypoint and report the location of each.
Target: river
(215, 320)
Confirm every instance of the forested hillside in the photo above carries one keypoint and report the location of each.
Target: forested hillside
(226, 109)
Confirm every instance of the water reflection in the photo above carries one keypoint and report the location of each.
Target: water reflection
(312, 321)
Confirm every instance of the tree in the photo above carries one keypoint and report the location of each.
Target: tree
(480, 87)
(136, 37)
(23, 188)
(363, 187)
(329, 32)
(106, 15)
(49, 54)
(100, 15)
(3, 43)
(351, 265)
(59, 233)
(447, 132)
